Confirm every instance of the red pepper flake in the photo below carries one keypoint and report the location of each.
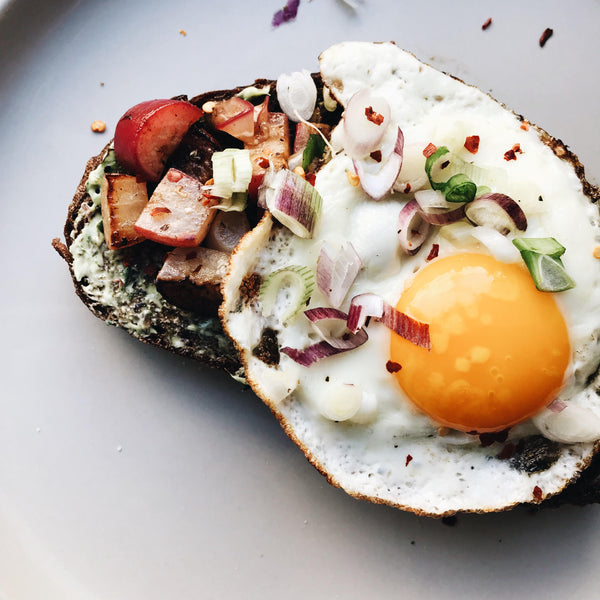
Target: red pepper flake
(433, 253)
(263, 162)
(407, 188)
(487, 24)
(472, 144)
(126, 262)
(174, 176)
(517, 149)
(311, 178)
(159, 210)
(373, 116)
(376, 156)
(512, 153)
(537, 493)
(429, 150)
(392, 367)
(525, 126)
(408, 459)
(545, 36)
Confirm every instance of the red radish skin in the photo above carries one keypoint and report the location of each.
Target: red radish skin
(148, 133)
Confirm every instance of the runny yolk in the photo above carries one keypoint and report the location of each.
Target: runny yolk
(499, 347)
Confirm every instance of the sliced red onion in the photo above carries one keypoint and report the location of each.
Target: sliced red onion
(323, 349)
(371, 305)
(377, 178)
(413, 229)
(498, 211)
(440, 216)
(331, 325)
(433, 199)
(297, 95)
(406, 327)
(292, 201)
(571, 425)
(557, 406)
(336, 272)
(361, 308)
(363, 135)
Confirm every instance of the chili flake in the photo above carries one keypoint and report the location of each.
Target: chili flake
(537, 492)
(376, 156)
(392, 367)
(408, 459)
(545, 36)
(472, 144)
(159, 210)
(487, 24)
(429, 150)
(433, 253)
(373, 116)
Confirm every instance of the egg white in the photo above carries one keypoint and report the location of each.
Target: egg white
(387, 450)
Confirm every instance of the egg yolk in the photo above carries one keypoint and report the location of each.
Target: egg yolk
(499, 347)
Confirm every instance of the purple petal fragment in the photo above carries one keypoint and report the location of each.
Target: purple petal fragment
(287, 13)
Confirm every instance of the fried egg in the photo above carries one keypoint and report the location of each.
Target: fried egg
(399, 424)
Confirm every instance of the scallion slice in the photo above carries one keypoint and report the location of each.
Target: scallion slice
(315, 146)
(549, 246)
(232, 172)
(458, 187)
(548, 273)
(296, 282)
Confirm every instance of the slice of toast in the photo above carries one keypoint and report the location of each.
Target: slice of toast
(119, 286)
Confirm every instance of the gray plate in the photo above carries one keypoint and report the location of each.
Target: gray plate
(128, 473)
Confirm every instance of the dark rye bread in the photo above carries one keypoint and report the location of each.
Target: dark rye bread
(131, 297)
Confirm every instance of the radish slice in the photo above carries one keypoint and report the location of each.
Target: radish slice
(413, 229)
(498, 211)
(336, 273)
(366, 119)
(377, 178)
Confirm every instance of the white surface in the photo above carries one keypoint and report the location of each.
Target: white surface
(128, 473)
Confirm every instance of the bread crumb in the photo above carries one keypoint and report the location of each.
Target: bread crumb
(98, 126)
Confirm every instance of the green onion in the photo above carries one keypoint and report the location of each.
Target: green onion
(315, 146)
(253, 91)
(548, 273)
(548, 246)
(542, 257)
(232, 172)
(458, 188)
(296, 281)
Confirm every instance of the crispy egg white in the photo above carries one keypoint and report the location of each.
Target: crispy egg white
(348, 413)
